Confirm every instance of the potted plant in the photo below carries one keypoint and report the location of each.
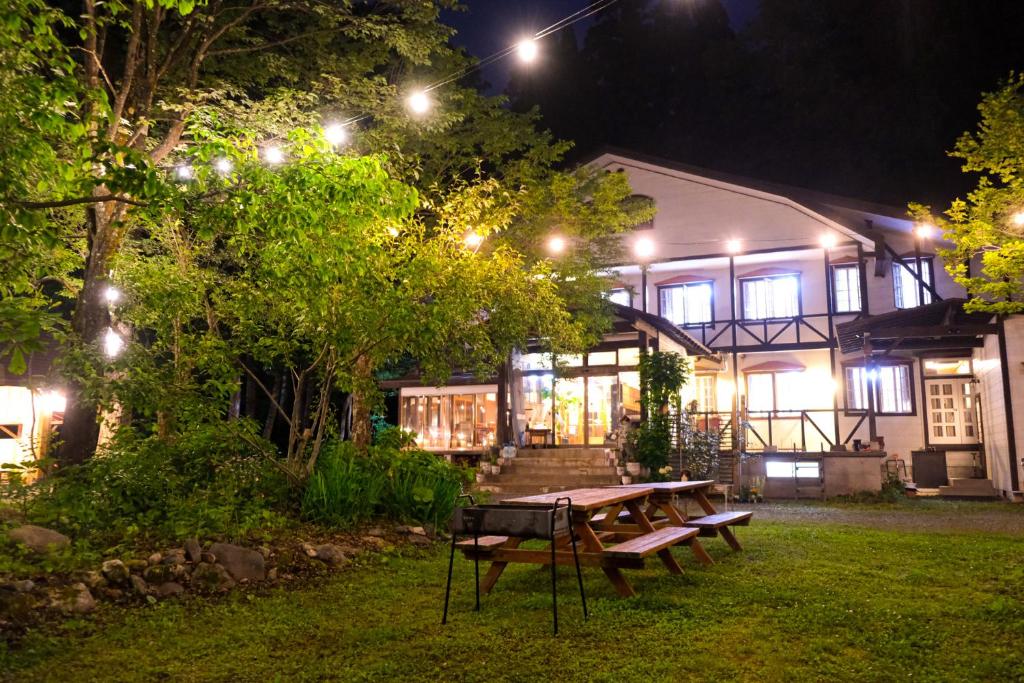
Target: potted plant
(626, 479)
(633, 468)
(481, 476)
(495, 466)
(620, 470)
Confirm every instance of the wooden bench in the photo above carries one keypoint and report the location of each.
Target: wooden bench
(654, 542)
(485, 543)
(719, 523)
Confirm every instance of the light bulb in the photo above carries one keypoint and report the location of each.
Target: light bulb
(112, 343)
(556, 245)
(828, 240)
(733, 246)
(474, 240)
(924, 230)
(184, 172)
(223, 165)
(111, 295)
(419, 102)
(643, 248)
(336, 134)
(273, 155)
(527, 50)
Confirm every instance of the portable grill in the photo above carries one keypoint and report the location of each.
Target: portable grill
(519, 521)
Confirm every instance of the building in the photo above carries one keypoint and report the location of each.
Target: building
(826, 327)
(30, 409)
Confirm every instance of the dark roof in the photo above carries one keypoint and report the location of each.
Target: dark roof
(692, 346)
(942, 324)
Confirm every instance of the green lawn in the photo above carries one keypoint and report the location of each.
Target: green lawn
(807, 600)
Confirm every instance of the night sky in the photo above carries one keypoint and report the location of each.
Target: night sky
(488, 26)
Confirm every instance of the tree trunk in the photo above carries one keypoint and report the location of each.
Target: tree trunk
(361, 427)
(81, 429)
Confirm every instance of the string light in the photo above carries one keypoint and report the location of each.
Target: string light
(527, 50)
(112, 343)
(112, 295)
(419, 102)
(273, 155)
(184, 172)
(335, 134)
(223, 165)
(643, 248)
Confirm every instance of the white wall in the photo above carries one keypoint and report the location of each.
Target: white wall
(989, 369)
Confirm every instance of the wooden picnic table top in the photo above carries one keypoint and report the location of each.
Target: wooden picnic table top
(588, 499)
(670, 486)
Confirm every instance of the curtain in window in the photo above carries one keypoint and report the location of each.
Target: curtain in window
(905, 285)
(688, 304)
(892, 389)
(771, 297)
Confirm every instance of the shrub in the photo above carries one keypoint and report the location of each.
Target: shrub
(206, 481)
(390, 480)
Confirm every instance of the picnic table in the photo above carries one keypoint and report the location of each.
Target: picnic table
(624, 546)
(665, 498)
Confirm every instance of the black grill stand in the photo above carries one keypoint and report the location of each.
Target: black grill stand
(477, 530)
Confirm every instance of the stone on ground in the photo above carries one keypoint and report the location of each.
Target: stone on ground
(39, 539)
(242, 563)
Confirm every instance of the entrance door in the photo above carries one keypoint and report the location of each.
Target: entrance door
(952, 417)
(601, 413)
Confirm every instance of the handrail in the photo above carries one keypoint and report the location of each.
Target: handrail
(771, 419)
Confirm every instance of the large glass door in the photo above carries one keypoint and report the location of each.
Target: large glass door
(569, 411)
(600, 408)
(951, 411)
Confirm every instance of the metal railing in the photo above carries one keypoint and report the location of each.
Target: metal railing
(760, 430)
(809, 327)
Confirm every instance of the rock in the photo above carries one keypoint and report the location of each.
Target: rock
(375, 531)
(211, 578)
(24, 586)
(93, 579)
(137, 566)
(328, 553)
(176, 556)
(272, 574)
(309, 549)
(74, 599)
(265, 552)
(241, 563)
(418, 531)
(158, 573)
(169, 589)
(139, 585)
(38, 539)
(374, 541)
(113, 594)
(115, 571)
(207, 557)
(155, 558)
(193, 550)
(419, 540)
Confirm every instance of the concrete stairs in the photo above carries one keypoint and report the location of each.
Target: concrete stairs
(976, 489)
(546, 470)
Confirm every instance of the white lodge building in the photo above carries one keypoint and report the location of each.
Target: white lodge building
(821, 324)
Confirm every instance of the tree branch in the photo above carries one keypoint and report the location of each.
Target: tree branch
(262, 386)
(58, 203)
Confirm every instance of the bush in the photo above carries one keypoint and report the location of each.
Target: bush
(390, 480)
(207, 481)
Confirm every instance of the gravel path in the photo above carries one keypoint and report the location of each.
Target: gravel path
(920, 515)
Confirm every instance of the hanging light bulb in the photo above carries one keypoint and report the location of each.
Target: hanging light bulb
(419, 102)
(924, 230)
(273, 155)
(184, 172)
(336, 134)
(473, 239)
(112, 295)
(556, 245)
(1018, 219)
(527, 50)
(112, 343)
(643, 248)
(223, 165)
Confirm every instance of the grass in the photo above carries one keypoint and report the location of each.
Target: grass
(806, 600)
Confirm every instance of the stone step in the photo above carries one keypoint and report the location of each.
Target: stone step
(582, 467)
(579, 481)
(969, 488)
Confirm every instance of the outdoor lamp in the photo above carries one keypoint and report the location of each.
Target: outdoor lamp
(1018, 219)
(556, 245)
(335, 134)
(223, 165)
(184, 172)
(924, 230)
(273, 155)
(733, 246)
(112, 343)
(112, 295)
(473, 239)
(643, 248)
(828, 241)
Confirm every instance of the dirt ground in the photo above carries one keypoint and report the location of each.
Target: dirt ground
(912, 515)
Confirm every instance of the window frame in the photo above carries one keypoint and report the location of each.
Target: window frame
(776, 412)
(855, 267)
(898, 267)
(908, 364)
(684, 285)
(743, 280)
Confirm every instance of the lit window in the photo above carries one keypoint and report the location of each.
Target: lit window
(765, 298)
(601, 358)
(892, 389)
(905, 286)
(846, 291)
(629, 356)
(688, 304)
(801, 469)
(775, 391)
(621, 297)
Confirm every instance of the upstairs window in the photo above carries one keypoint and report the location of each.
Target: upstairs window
(892, 389)
(775, 296)
(905, 286)
(621, 296)
(776, 392)
(686, 304)
(846, 289)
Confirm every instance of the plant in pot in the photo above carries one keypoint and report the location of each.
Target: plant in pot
(495, 465)
(481, 476)
(626, 479)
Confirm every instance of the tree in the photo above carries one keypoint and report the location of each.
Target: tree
(987, 228)
(160, 86)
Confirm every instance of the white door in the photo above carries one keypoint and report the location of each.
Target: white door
(951, 411)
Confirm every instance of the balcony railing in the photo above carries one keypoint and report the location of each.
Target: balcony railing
(761, 430)
(800, 329)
